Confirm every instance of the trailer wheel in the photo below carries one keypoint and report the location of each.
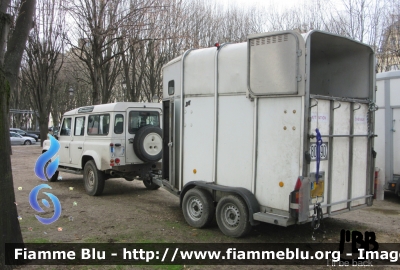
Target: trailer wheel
(198, 207)
(147, 143)
(233, 216)
(93, 179)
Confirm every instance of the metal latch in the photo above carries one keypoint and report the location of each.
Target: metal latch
(130, 140)
(170, 144)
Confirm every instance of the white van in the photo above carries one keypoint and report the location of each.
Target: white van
(120, 139)
(278, 129)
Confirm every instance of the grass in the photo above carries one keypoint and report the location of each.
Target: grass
(37, 240)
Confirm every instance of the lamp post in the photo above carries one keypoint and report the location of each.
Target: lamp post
(124, 94)
(71, 95)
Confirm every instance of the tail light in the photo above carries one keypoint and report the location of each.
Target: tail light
(295, 197)
(117, 160)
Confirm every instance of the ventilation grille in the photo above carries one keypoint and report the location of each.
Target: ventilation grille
(269, 40)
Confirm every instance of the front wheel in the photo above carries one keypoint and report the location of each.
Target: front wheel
(93, 179)
(27, 142)
(233, 216)
(198, 207)
(54, 177)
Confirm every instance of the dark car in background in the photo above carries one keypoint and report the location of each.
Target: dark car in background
(24, 133)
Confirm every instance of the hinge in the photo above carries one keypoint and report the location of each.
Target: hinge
(298, 77)
(299, 52)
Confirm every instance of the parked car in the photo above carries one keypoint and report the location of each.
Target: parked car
(24, 133)
(16, 138)
(37, 133)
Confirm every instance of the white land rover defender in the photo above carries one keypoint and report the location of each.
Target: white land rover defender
(115, 140)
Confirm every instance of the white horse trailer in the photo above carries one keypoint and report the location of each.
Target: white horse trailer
(387, 124)
(240, 130)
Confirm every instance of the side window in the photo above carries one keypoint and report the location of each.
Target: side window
(171, 87)
(98, 124)
(138, 119)
(66, 127)
(119, 124)
(79, 129)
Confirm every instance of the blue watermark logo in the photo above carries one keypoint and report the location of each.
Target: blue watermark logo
(45, 169)
(35, 205)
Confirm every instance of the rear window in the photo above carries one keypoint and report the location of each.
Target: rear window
(119, 124)
(138, 119)
(98, 124)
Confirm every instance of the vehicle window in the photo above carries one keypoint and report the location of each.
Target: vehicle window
(138, 119)
(98, 124)
(171, 87)
(119, 124)
(79, 128)
(66, 127)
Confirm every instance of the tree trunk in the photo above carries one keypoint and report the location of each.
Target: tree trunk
(44, 129)
(10, 231)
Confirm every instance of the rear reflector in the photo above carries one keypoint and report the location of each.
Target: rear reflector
(298, 184)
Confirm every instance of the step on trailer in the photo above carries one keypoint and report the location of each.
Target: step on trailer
(277, 129)
(387, 123)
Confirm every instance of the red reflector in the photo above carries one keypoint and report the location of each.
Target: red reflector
(111, 160)
(111, 144)
(298, 184)
(117, 160)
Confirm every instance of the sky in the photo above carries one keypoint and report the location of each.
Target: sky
(280, 4)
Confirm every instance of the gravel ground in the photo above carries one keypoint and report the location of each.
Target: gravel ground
(129, 213)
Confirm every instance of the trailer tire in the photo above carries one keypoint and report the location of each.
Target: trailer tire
(147, 143)
(93, 179)
(233, 216)
(198, 207)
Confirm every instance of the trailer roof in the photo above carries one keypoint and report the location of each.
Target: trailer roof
(388, 75)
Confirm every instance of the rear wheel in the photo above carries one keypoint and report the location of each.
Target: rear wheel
(27, 142)
(198, 207)
(233, 216)
(93, 179)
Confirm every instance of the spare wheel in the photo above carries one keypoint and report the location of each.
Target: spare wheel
(147, 143)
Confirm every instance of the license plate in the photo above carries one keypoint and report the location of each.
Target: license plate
(323, 150)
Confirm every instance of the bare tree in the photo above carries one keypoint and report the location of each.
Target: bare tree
(98, 24)
(44, 59)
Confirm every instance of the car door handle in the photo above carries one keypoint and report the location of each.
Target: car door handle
(79, 147)
(117, 144)
(66, 147)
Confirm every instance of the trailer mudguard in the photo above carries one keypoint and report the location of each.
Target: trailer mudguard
(246, 195)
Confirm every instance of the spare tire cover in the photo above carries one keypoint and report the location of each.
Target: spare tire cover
(147, 144)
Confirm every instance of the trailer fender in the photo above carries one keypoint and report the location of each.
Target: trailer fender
(246, 195)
